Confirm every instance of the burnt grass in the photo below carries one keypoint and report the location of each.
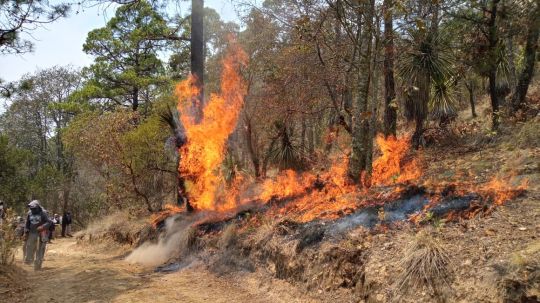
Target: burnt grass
(333, 259)
(356, 258)
(320, 255)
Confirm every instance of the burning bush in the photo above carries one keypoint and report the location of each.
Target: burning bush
(391, 166)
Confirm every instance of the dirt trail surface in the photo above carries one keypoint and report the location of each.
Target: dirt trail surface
(73, 274)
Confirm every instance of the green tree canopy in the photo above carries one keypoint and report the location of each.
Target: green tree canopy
(127, 67)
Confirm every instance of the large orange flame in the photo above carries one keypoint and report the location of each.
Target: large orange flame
(205, 149)
(391, 166)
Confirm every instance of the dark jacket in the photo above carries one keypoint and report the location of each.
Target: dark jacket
(37, 220)
(66, 219)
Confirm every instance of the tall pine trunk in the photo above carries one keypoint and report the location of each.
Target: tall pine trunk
(493, 39)
(197, 54)
(197, 71)
(361, 135)
(390, 112)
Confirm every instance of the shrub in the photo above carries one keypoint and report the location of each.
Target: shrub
(8, 243)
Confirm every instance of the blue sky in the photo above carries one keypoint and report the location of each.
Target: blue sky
(60, 43)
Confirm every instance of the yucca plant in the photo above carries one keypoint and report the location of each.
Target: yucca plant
(442, 103)
(426, 52)
(285, 154)
(427, 63)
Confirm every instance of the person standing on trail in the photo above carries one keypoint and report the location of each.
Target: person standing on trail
(36, 234)
(52, 228)
(66, 224)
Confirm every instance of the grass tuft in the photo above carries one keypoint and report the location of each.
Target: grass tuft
(229, 237)
(426, 264)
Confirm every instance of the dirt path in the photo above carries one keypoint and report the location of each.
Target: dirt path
(72, 274)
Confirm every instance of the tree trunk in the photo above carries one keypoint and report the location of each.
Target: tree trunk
(311, 137)
(531, 47)
(493, 38)
(197, 55)
(251, 149)
(470, 89)
(135, 104)
(361, 134)
(303, 135)
(423, 83)
(374, 104)
(511, 62)
(390, 113)
(59, 149)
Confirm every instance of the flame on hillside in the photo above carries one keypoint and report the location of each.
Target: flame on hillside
(391, 166)
(502, 191)
(301, 196)
(205, 150)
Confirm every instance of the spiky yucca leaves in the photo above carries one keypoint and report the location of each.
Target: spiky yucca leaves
(285, 154)
(442, 104)
(426, 52)
(427, 58)
(426, 263)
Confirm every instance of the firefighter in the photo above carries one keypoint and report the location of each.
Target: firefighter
(36, 233)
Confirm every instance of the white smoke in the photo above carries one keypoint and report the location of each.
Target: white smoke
(172, 243)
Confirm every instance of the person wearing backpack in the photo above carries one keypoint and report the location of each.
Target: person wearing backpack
(36, 234)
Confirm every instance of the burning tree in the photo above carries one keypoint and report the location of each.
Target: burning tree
(202, 148)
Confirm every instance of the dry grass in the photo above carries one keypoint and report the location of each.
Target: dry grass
(263, 233)
(426, 264)
(522, 279)
(118, 227)
(229, 237)
(8, 243)
(528, 135)
(189, 241)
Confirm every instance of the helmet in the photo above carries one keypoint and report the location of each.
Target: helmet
(34, 204)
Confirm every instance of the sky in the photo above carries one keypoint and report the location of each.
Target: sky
(60, 43)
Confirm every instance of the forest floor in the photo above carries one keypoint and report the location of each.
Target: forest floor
(75, 273)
